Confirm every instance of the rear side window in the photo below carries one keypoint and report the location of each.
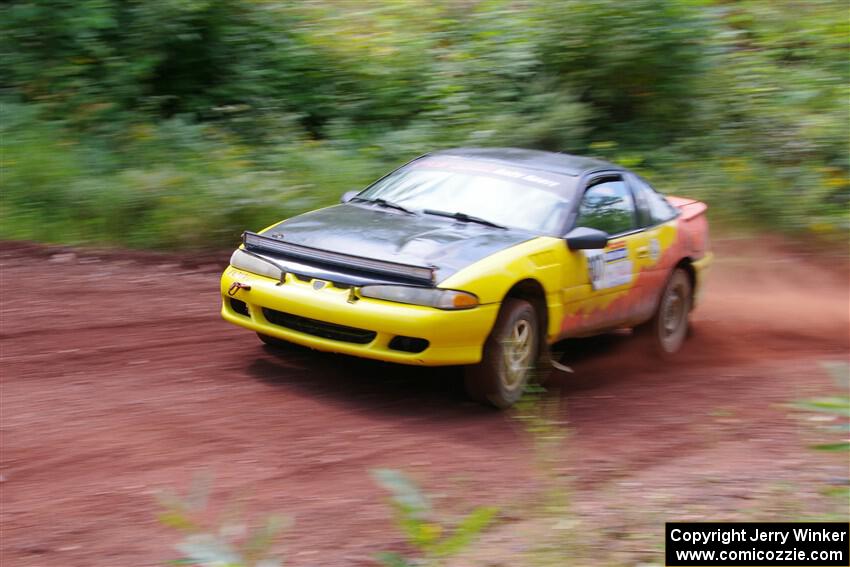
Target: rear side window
(608, 206)
(655, 208)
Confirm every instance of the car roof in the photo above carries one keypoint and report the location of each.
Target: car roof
(565, 164)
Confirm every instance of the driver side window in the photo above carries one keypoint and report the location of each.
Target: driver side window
(608, 206)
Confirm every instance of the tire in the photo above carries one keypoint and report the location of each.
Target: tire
(509, 357)
(668, 328)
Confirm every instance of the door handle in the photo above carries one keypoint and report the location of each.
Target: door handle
(643, 252)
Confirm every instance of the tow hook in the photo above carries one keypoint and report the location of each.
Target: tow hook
(236, 286)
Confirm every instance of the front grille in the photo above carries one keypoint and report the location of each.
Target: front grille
(319, 328)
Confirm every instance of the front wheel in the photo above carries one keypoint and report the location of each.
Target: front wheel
(669, 326)
(509, 357)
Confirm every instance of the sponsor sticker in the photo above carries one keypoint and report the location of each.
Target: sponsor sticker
(609, 268)
(654, 249)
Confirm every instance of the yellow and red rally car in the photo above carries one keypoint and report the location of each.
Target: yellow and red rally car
(476, 257)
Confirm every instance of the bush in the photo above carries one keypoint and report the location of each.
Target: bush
(178, 124)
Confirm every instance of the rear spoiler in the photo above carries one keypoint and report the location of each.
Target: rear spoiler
(422, 275)
(690, 208)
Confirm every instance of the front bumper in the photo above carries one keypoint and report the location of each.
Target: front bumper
(454, 337)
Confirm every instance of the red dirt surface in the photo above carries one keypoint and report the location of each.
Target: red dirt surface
(120, 381)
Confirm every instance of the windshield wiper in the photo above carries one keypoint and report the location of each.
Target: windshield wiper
(386, 204)
(463, 217)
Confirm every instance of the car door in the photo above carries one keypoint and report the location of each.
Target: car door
(601, 287)
(657, 218)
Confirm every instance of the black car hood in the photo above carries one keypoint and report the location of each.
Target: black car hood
(422, 240)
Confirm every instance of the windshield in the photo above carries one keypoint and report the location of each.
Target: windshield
(503, 194)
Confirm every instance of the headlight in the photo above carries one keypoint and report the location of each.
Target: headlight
(429, 297)
(250, 263)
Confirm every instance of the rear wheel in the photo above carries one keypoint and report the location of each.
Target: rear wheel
(509, 356)
(668, 328)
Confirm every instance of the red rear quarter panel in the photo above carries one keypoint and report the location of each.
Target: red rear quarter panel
(693, 226)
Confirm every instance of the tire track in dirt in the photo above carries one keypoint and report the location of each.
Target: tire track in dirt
(119, 380)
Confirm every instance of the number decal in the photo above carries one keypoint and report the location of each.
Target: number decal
(609, 268)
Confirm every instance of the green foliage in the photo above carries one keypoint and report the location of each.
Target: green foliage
(837, 405)
(424, 532)
(174, 184)
(172, 123)
(837, 408)
(227, 543)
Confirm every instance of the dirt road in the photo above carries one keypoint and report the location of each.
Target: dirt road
(119, 380)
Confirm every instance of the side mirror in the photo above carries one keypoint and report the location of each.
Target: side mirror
(347, 196)
(583, 238)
